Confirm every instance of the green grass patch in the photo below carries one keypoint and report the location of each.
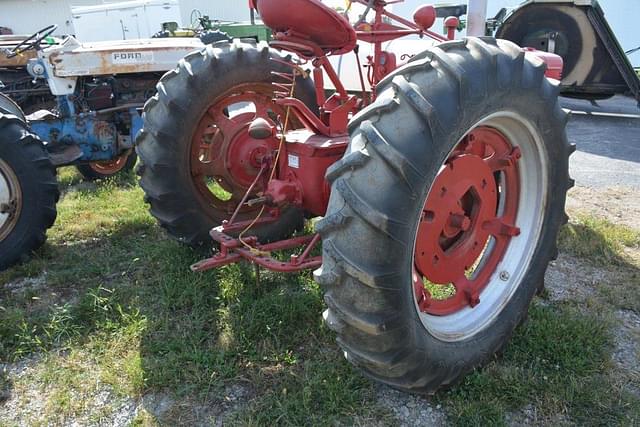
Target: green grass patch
(121, 309)
(598, 240)
(556, 362)
(323, 390)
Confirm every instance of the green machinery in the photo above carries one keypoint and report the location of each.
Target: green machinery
(211, 31)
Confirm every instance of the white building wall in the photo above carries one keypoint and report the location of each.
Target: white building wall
(28, 16)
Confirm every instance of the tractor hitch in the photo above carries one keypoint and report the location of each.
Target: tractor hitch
(236, 249)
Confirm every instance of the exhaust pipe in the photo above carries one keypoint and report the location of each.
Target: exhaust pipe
(477, 18)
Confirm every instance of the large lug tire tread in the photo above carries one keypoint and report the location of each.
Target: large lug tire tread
(26, 156)
(379, 187)
(163, 145)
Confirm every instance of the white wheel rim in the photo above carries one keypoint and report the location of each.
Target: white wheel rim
(467, 322)
(9, 191)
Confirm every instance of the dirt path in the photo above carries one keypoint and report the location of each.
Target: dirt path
(619, 205)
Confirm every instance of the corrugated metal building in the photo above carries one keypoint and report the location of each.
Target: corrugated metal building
(27, 16)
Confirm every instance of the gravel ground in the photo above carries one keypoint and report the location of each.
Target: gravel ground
(27, 284)
(570, 278)
(620, 205)
(411, 410)
(26, 407)
(627, 345)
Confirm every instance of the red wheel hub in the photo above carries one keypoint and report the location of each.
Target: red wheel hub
(467, 222)
(223, 154)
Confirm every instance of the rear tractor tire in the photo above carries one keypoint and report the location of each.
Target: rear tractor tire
(28, 191)
(196, 156)
(444, 213)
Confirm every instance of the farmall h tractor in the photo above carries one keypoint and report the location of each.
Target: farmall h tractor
(441, 190)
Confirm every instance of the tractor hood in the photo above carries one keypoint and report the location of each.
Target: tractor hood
(74, 59)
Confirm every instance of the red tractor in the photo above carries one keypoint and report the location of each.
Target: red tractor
(441, 183)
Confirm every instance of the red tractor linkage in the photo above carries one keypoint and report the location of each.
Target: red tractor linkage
(441, 184)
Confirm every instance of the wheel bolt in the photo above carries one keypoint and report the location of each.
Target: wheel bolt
(473, 298)
(8, 208)
(461, 222)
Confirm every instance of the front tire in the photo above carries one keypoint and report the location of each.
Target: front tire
(432, 295)
(28, 191)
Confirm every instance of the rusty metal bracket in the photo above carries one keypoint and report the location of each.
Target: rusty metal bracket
(232, 251)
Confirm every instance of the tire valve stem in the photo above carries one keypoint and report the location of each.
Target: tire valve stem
(504, 276)
(258, 201)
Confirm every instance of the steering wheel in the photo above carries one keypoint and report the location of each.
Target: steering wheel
(32, 42)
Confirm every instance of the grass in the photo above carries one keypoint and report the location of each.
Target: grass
(122, 317)
(610, 247)
(555, 365)
(598, 240)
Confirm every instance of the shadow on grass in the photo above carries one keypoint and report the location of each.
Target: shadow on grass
(599, 241)
(608, 246)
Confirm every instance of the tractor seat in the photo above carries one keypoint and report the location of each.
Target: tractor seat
(310, 20)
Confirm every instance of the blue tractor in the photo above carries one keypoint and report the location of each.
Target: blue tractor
(84, 100)
(83, 103)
